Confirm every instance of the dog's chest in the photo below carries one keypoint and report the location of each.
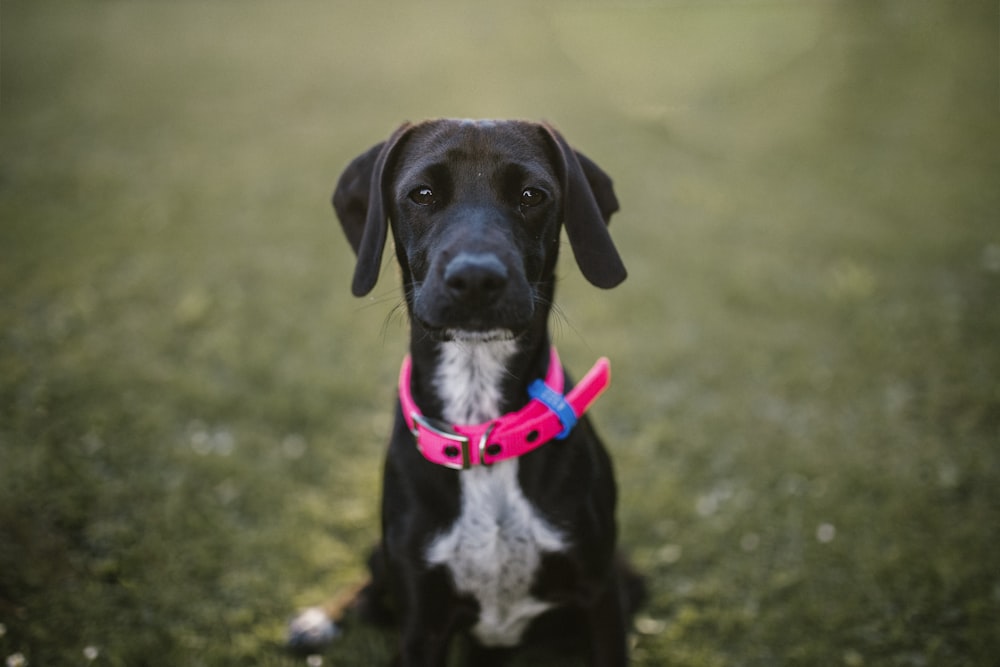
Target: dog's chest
(494, 548)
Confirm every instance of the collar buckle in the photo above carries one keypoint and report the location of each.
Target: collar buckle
(458, 456)
(456, 447)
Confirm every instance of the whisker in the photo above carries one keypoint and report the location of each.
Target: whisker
(379, 299)
(397, 313)
(559, 320)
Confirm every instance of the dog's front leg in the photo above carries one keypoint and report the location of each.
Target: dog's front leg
(423, 647)
(606, 618)
(429, 620)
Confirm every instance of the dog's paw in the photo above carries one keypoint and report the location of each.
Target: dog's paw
(311, 631)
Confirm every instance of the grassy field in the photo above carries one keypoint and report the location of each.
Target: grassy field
(806, 408)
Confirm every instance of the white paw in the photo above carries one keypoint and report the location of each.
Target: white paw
(311, 630)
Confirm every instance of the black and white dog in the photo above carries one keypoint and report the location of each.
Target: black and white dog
(498, 508)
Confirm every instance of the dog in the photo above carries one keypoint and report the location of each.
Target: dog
(498, 505)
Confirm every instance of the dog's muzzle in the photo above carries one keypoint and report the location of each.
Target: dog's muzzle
(474, 292)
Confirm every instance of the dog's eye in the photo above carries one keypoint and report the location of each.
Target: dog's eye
(531, 197)
(423, 196)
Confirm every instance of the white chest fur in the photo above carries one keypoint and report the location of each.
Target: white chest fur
(495, 547)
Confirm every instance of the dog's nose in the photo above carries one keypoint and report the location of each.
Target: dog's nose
(475, 277)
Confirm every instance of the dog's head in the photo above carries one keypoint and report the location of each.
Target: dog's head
(475, 209)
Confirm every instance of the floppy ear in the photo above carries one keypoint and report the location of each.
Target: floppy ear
(360, 205)
(588, 202)
(350, 198)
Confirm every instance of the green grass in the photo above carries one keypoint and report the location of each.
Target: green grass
(805, 414)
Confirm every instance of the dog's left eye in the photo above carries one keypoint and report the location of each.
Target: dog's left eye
(423, 196)
(531, 197)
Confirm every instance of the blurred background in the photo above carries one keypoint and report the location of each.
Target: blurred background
(805, 415)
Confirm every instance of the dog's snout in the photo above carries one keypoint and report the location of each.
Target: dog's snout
(480, 277)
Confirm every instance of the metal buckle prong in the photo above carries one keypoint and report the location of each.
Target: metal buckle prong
(482, 445)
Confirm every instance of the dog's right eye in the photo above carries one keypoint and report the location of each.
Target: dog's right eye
(531, 197)
(422, 196)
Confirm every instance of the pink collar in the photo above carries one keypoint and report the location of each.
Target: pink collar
(548, 416)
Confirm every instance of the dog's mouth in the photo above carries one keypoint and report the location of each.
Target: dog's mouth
(450, 334)
(491, 336)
